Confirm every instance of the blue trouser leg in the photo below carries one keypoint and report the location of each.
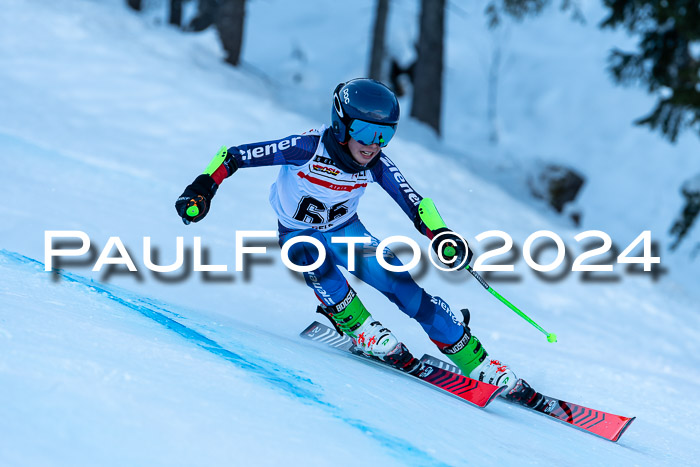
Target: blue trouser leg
(327, 281)
(432, 313)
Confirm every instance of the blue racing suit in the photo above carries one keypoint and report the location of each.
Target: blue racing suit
(313, 195)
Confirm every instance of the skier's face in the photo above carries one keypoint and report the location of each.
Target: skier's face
(362, 154)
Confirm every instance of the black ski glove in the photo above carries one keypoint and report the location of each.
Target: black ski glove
(197, 195)
(450, 248)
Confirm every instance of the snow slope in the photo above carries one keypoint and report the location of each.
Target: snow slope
(105, 117)
(99, 375)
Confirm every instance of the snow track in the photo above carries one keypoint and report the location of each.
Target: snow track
(105, 116)
(274, 376)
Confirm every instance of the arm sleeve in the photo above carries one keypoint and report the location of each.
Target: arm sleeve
(393, 182)
(292, 150)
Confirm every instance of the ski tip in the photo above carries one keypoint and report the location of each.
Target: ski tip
(622, 429)
(495, 394)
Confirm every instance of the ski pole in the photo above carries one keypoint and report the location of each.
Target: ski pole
(551, 337)
(431, 218)
(192, 211)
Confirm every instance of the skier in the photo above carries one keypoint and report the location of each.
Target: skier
(323, 174)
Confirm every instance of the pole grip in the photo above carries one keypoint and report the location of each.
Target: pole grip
(193, 211)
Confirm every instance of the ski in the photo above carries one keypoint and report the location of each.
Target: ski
(469, 390)
(606, 425)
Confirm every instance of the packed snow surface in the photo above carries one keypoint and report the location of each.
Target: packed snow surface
(105, 116)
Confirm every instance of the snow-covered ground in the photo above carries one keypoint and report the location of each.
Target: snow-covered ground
(105, 116)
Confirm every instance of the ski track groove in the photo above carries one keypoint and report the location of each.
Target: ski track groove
(277, 377)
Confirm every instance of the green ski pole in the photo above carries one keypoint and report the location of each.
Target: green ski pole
(551, 337)
(431, 218)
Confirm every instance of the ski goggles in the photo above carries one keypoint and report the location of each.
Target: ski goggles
(370, 133)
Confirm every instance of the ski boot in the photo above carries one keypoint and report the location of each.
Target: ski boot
(471, 357)
(369, 336)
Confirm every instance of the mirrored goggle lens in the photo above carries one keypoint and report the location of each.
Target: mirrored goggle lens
(371, 133)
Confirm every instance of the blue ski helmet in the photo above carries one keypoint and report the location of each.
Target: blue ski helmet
(365, 109)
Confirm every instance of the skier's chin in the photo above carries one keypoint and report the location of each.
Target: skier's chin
(365, 159)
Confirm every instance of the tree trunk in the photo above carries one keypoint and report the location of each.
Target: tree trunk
(176, 12)
(206, 13)
(427, 79)
(134, 4)
(494, 74)
(377, 53)
(691, 193)
(229, 23)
